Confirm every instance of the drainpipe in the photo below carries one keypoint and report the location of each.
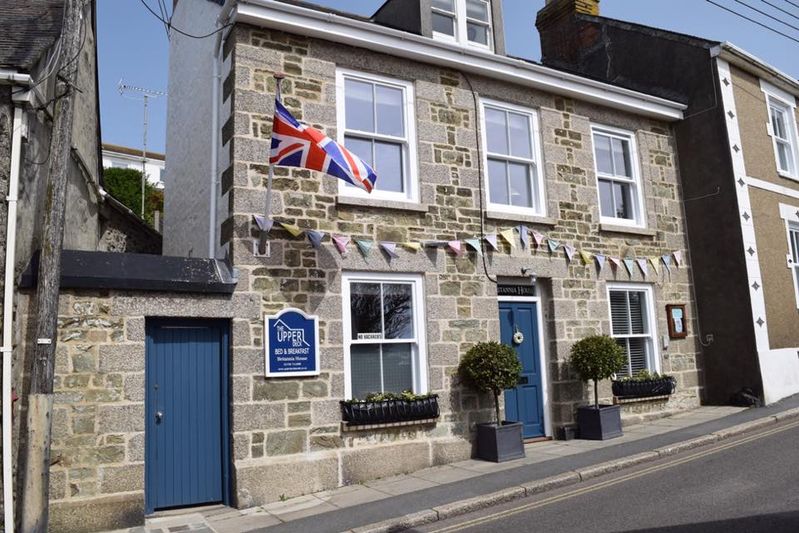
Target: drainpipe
(224, 18)
(8, 317)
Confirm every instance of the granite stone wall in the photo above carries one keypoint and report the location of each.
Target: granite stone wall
(292, 424)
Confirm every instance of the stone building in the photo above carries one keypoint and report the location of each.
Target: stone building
(739, 165)
(443, 93)
(472, 148)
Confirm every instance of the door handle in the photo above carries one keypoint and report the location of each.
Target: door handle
(159, 416)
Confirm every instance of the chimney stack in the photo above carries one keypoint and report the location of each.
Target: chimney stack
(564, 31)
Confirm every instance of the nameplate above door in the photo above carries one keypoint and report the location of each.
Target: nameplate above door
(515, 290)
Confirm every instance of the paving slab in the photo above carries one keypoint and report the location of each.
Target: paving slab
(445, 474)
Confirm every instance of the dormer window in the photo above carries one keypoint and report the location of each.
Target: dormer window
(467, 22)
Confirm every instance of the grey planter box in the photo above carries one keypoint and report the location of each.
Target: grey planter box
(599, 424)
(500, 443)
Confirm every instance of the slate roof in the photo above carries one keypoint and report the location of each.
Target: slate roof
(27, 30)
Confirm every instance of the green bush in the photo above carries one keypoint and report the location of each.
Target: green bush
(596, 358)
(491, 367)
(124, 184)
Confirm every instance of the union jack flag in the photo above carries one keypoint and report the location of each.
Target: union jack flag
(298, 145)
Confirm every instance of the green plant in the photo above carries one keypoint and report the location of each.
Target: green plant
(124, 184)
(490, 367)
(596, 358)
(645, 375)
(406, 395)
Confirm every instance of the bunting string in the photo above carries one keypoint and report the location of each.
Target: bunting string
(515, 236)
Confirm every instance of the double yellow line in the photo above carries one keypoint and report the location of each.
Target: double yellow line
(605, 484)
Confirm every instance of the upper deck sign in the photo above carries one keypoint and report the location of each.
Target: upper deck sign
(292, 344)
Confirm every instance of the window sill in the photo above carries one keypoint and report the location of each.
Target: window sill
(631, 230)
(347, 426)
(352, 201)
(787, 176)
(515, 217)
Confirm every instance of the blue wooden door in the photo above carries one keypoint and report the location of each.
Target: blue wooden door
(525, 403)
(186, 446)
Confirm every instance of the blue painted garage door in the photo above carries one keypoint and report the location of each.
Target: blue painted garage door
(186, 448)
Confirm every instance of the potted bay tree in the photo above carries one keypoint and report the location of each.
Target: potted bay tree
(492, 367)
(596, 358)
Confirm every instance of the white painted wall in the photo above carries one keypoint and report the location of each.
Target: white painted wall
(188, 132)
(153, 168)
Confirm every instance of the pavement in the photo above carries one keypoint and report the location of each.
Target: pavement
(745, 483)
(441, 493)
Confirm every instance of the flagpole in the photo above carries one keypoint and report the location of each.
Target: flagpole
(271, 171)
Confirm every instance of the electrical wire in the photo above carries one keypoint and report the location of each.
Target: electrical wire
(165, 15)
(178, 30)
(479, 178)
(778, 8)
(772, 17)
(794, 5)
(753, 21)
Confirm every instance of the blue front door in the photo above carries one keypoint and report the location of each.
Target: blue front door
(525, 403)
(186, 400)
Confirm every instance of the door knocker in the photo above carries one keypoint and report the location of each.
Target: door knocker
(518, 336)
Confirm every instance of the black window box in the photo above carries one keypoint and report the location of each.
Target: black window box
(644, 389)
(389, 410)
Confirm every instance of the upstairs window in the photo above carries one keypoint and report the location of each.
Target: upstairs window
(514, 177)
(620, 198)
(783, 133)
(781, 126)
(467, 22)
(377, 118)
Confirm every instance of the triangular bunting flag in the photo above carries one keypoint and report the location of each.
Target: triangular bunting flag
(264, 224)
(315, 237)
(677, 258)
(666, 261)
(569, 252)
(538, 238)
(508, 236)
(614, 263)
(474, 244)
(491, 239)
(642, 265)
(586, 257)
(292, 228)
(456, 247)
(553, 245)
(341, 242)
(364, 246)
(390, 248)
(629, 264)
(524, 235)
(654, 262)
(600, 261)
(412, 245)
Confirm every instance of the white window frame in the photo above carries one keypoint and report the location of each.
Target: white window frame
(410, 162)
(790, 214)
(786, 102)
(653, 359)
(419, 357)
(639, 212)
(538, 185)
(461, 36)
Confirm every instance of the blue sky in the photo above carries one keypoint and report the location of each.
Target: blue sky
(133, 46)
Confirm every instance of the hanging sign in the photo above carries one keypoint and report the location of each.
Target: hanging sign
(292, 344)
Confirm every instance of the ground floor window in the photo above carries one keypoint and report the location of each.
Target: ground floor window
(384, 348)
(793, 256)
(633, 325)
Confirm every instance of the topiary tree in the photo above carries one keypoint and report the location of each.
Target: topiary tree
(491, 367)
(596, 358)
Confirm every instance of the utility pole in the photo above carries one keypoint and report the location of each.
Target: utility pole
(124, 88)
(36, 471)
